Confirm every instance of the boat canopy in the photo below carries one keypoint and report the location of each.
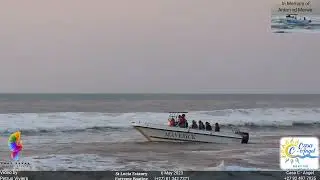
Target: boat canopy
(291, 15)
(176, 114)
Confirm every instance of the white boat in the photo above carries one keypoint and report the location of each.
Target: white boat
(293, 19)
(157, 132)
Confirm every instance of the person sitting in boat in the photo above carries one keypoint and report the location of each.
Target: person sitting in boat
(208, 127)
(178, 121)
(172, 122)
(217, 128)
(199, 122)
(185, 121)
(194, 125)
(183, 117)
(182, 122)
(201, 125)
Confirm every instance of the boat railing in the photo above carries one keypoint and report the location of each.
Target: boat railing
(188, 129)
(148, 123)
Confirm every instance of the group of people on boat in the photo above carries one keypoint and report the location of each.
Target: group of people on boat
(183, 123)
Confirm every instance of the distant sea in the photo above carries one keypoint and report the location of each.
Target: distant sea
(93, 131)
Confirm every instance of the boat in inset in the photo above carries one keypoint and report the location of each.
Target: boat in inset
(293, 19)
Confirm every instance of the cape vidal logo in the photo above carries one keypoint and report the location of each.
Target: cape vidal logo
(15, 145)
(299, 153)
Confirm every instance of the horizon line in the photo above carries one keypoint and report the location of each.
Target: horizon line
(166, 93)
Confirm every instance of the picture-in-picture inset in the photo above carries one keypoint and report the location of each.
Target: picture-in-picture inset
(289, 16)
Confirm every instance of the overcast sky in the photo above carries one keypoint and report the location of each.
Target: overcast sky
(152, 46)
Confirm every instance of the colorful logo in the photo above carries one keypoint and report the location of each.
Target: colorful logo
(299, 153)
(15, 145)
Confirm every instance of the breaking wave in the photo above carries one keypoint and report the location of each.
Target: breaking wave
(74, 122)
(31, 132)
(293, 124)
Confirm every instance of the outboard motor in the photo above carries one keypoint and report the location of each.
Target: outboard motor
(245, 138)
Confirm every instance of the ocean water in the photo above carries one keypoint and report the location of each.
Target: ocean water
(94, 132)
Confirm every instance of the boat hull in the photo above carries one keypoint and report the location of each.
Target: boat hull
(176, 134)
(297, 22)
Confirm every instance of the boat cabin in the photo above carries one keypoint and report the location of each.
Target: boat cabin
(175, 117)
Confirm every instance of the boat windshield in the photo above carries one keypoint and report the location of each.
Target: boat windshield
(175, 115)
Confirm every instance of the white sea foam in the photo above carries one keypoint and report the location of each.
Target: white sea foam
(92, 162)
(73, 162)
